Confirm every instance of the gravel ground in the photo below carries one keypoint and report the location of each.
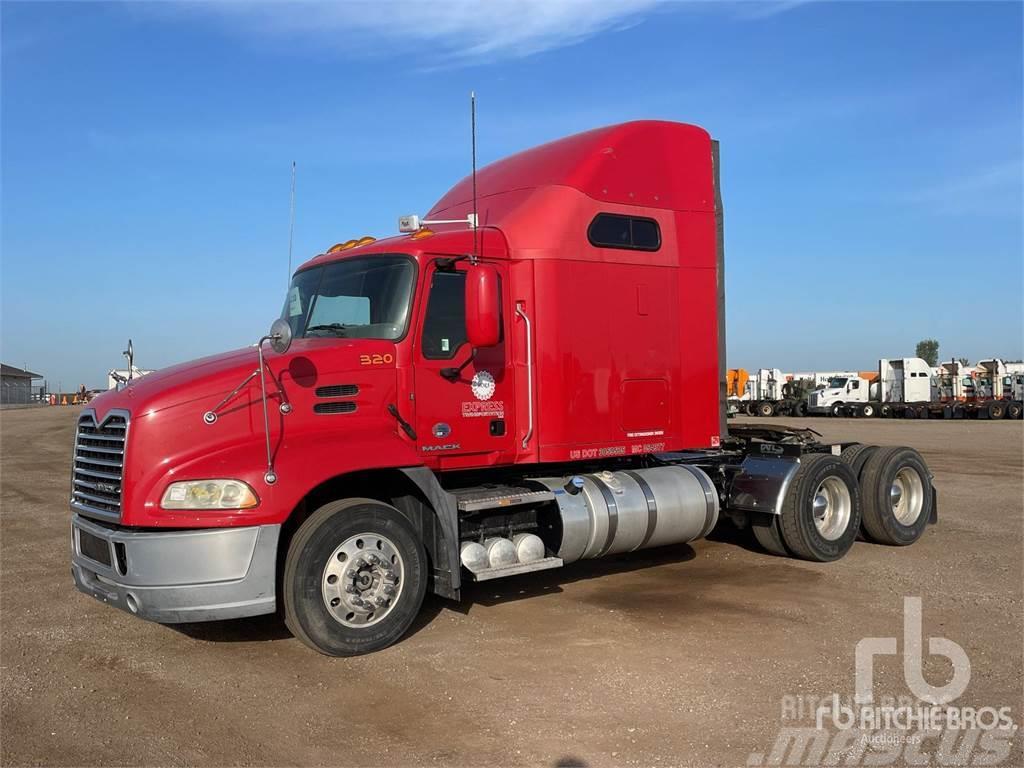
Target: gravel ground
(675, 656)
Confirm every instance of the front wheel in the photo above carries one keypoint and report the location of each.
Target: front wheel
(354, 578)
(800, 409)
(837, 410)
(765, 409)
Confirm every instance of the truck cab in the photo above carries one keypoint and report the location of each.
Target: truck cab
(839, 391)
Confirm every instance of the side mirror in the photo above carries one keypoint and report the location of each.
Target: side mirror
(483, 314)
(280, 335)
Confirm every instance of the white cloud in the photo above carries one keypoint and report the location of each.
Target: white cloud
(462, 31)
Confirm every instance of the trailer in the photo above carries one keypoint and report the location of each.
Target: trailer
(530, 376)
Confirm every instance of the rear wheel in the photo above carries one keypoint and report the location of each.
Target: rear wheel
(885, 410)
(856, 456)
(821, 512)
(765, 409)
(1014, 410)
(910, 412)
(770, 537)
(867, 410)
(354, 578)
(996, 410)
(897, 496)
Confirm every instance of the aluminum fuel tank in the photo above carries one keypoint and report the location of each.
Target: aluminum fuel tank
(612, 512)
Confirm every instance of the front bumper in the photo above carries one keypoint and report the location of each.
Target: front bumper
(177, 576)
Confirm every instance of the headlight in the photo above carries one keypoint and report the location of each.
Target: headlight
(209, 494)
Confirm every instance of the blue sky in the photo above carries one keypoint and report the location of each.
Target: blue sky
(871, 155)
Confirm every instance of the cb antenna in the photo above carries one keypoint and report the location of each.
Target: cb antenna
(291, 225)
(472, 125)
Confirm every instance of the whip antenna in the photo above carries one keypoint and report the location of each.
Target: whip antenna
(291, 225)
(472, 124)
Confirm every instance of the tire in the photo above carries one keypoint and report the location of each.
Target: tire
(909, 412)
(329, 545)
(765, 409)
(836, 410)
(996, 410)
(800, 409)
(770, 538)
(1014, 410)
(885, 411)
(856, 456)
(958, 412)
(891, 516)
(867, 410)
(805, 532)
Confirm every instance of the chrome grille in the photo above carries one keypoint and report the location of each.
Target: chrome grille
(99, 465)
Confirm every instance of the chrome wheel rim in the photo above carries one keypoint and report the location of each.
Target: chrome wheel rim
(831, 507)
(906, 496)
(363, 580)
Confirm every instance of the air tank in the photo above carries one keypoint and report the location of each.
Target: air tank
(609, 513)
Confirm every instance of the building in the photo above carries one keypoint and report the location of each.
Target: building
(16, 386)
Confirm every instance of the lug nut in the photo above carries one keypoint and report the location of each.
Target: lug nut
(351, 589)
(389, 590)
(381, 602)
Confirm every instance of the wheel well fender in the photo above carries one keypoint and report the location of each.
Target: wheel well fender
(413, 491)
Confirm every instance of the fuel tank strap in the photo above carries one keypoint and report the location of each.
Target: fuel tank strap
(613, 514)
(652, 506)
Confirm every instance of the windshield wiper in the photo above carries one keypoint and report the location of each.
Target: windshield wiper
(337, 328)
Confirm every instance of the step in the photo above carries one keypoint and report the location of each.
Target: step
(476, 499)
(514, 570)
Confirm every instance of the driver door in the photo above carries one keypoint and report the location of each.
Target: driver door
(463, 419)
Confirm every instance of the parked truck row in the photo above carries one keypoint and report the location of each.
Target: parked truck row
(900, 388)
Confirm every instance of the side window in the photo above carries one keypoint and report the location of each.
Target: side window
(609, 230)
(444, 328)
(854, 385)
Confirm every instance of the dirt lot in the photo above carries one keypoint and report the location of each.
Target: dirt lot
(674, 656)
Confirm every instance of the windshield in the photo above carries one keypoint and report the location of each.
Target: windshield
(837, 383)
(361, 298)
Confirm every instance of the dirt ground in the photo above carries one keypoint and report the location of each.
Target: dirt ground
(675, 656)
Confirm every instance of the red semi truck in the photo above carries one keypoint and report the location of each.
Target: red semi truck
(532, 375)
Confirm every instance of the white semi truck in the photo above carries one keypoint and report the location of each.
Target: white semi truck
(907, 388)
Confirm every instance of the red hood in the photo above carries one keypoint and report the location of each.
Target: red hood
(212, 378)
(181, 383)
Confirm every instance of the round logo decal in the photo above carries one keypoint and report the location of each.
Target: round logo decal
(483, 385)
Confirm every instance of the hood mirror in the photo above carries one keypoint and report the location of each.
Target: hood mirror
(280, 336)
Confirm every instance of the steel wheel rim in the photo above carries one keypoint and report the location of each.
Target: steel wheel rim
(906, 496)
(831, 507)
(363, 580)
